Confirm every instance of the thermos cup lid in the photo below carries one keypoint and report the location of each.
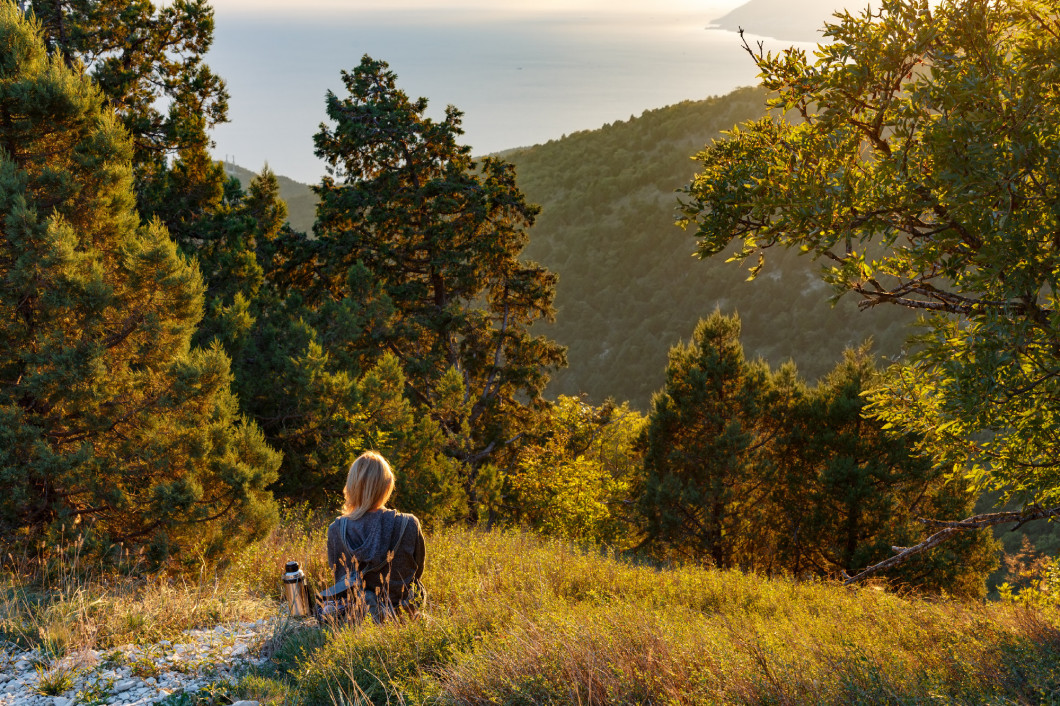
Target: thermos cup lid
(291, 567)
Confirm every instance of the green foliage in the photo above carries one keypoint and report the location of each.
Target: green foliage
(427, 480)
(748, 467)
(300, 199)
(95, 693)
(1032, 578)
(575, 476)
(706, 472)
(417, 254)
(213, 693)
(923, 174)
(186, 194)
(292, 371)
(234, 244)
(147, 62)
(851, 491)
(53, 682)
(109, 419)
(628, 289)
(296, 377)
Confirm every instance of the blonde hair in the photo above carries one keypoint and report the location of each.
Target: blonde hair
(368, 486)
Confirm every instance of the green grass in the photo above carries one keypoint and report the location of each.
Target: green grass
(53, 682)
(513, 618)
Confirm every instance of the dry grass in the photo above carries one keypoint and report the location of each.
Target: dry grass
(57, 601)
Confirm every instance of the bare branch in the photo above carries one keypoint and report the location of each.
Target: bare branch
(757, 58)
(950, 530)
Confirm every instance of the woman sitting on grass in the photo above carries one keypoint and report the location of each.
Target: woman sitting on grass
(376, 553)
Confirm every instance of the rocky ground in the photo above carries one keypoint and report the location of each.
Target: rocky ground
(133, 674)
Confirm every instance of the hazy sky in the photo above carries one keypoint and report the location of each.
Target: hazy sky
(523, 72)
(492, 7)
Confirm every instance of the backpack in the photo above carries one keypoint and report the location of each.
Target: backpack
(350, 600)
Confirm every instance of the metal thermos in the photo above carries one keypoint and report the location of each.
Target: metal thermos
(294, 590)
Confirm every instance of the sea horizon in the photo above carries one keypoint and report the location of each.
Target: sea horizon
(520, 79)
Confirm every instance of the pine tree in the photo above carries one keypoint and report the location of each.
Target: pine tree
(109, 419)
(749, 467)
(431, 241)
(851, 491)
(292, 374)
(706, 475)
(148, 63)
(233, 244)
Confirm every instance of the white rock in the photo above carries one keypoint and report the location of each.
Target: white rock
(124, 685)
(245, 703)
(61, 701)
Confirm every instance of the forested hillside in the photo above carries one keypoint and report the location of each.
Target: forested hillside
(301, 202)
(629, 286)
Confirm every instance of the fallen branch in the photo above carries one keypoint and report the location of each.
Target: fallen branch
(951, 529)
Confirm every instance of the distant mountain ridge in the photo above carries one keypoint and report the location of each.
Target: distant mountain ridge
(800, 21)
(629, 286)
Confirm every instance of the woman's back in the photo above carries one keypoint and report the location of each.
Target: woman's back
(384, 548)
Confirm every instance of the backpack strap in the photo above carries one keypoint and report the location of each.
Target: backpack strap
(392, 550)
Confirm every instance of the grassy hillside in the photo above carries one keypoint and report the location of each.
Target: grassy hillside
(629, 287)
(516, 619)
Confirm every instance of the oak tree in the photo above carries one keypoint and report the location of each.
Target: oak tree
(919, 161)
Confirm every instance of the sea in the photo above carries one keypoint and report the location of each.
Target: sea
(522, 75)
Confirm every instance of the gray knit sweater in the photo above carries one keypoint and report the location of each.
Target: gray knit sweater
(363, 546)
